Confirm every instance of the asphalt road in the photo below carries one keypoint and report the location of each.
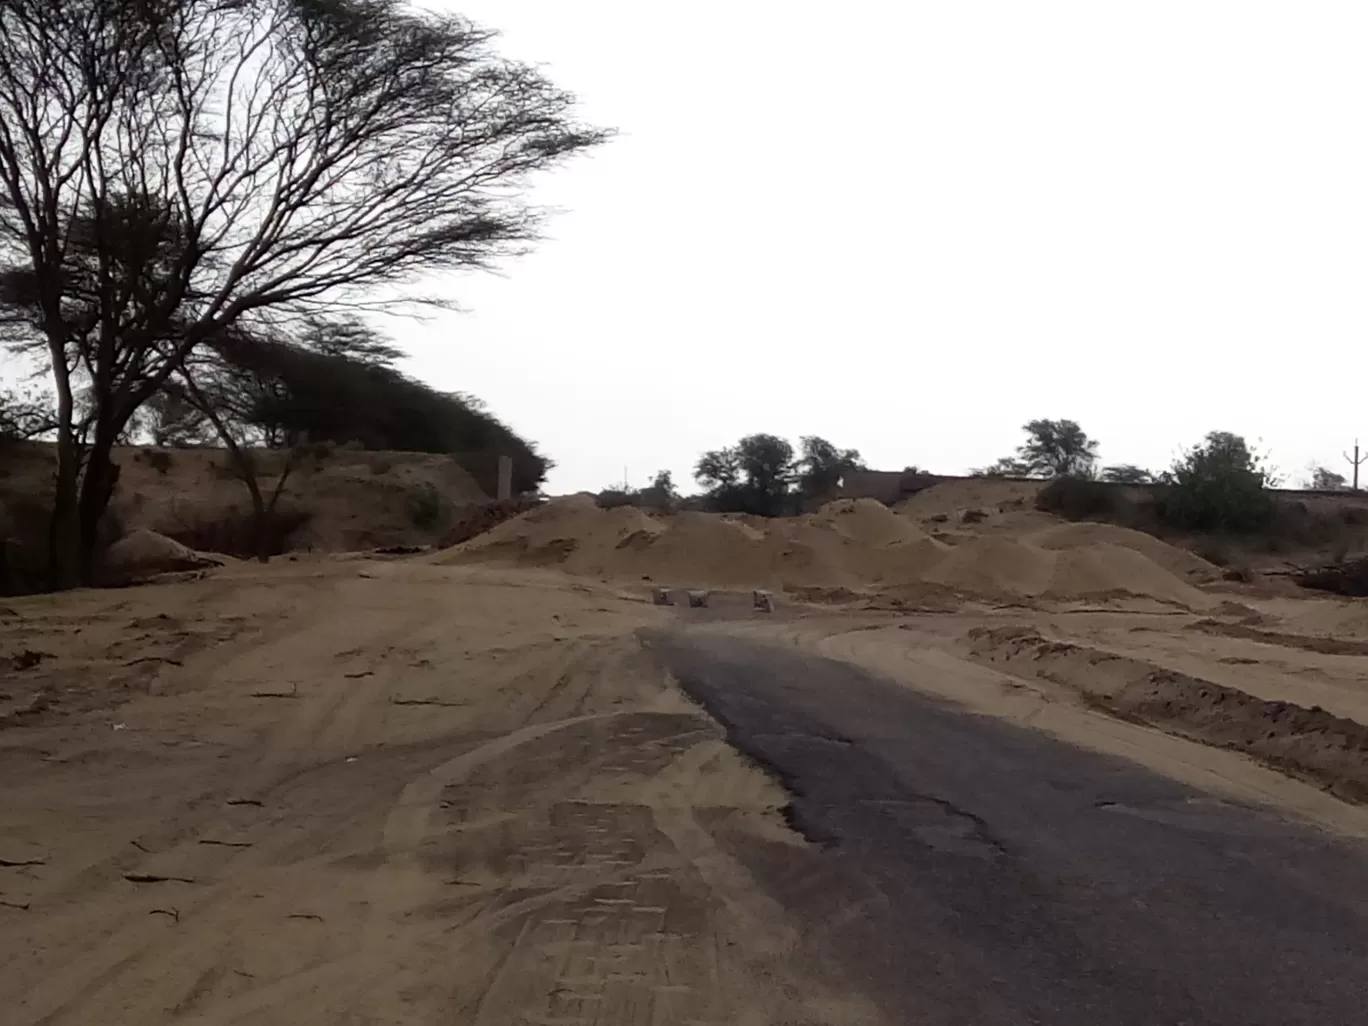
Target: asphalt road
(973, 872)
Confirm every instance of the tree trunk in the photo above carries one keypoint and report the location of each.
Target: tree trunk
(97, 488)
(261, 540)
(64, 530)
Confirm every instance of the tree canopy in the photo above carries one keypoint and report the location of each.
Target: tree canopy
(170, 172)
(24, 414)
(822, 466)
(346, 392)
(753, 476)
(1057, 448)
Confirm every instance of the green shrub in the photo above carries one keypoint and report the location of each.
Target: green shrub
(1219, 486)
(425, 507)
(612, 498)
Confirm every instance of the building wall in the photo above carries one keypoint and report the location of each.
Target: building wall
(886, 485)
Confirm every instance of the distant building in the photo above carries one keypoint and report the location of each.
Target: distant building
(886, 486)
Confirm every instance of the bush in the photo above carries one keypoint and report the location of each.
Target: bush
(1219, 486)
(158, 459)
(612, 498)
(1079, 498)
(424, 507)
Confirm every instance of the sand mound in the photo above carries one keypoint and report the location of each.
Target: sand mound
(835, 548)
(853, 546)
(995, 566)
(1174, 560)
(867, 522)
(144, 554)
(950, 498)
(1008, 568)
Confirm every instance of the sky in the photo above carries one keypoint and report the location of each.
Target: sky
(912, 227)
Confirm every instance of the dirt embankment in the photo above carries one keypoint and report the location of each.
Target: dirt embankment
(333, 500)
(1307, 742)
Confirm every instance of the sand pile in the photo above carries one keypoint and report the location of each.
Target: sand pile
(143, 554)
(846, 545)
(1003, 567)
(865, 521)
(852, 545)
(1171, 558)
(951, 498)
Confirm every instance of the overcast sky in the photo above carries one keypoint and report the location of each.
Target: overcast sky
(910, 227)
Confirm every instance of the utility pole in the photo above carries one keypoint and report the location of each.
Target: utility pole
(1355, 461)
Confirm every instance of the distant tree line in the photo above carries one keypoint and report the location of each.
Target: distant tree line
(761, 474)
(1218, 485)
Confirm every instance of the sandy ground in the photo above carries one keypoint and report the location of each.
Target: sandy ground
(375, 792)
(456, 788)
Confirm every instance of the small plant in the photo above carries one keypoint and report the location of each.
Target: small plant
(424, 507)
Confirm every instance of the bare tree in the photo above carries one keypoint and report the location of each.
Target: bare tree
(172, 168)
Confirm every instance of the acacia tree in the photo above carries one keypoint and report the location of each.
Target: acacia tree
(1057, 448)
(753, 476)
(1053, 448)
(822, 466)
(171, 169)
